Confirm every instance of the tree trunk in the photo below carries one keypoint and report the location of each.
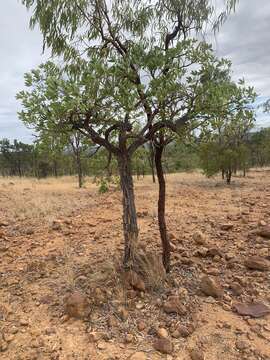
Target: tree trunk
(138, 173)
(55, 170)
(166, 254)
(79, 169)
(223, 174)
(228, 176)
(151, 159)
(130, 225)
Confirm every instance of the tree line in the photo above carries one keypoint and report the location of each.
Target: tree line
(197, 152)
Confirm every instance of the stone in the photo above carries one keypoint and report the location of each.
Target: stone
(183, 331)
(176, 334)
(141, 325)
(134, 280)
(236, 289)
(174, 306)
(255, 310)
(226, 226)
(163, 345)
(264, 232)
(138, 356)
(56, 225)
(214, 251)
(129, 338)
(200, 238)
(112, 322)
(197, 354)
(210, 287)
(76, 305)
(24, 322)
(257, 263)
(162, 333)
(3, 223)
(101, 345)
(241, 345)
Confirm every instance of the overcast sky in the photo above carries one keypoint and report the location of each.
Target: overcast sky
(244, 39)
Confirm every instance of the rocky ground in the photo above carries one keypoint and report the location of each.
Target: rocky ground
(63, 295)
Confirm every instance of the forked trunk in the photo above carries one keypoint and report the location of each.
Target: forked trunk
(166, 253)
(130, 225)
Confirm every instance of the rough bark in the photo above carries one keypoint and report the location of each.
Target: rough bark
(166, 253)
(151, 159)
(130, 225)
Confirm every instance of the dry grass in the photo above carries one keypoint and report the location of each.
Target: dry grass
(42, 200)
(32, 200)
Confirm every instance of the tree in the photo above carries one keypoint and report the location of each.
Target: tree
(17, 158)
(223, 147)
(118, 74)
(259, 146)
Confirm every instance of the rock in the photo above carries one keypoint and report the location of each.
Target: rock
(262, 223)
(76, 305)
(24, 322)
(101, 345)
(255, 310)
(174, 306)
(197, 354)
(129, 338)
(163, 345)
(162, 333)
(3, 223)
(183, 331)
(134, 280)
(29, 231)
(56, 225)
(200, 238)
(138, 356)
(241, 345)
(112, 322)
(141, 325)
(211, 288)
(264, 232)
(176, 334)
(202, 252)
(257, 263)
(214, 251)
(236, 289)
(226, 226)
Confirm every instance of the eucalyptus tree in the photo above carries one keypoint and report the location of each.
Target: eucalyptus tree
(126, 63)
(224, 142)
